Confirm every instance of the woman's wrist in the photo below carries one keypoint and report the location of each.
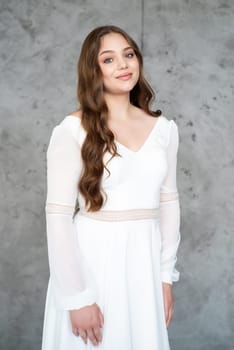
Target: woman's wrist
(166, 286)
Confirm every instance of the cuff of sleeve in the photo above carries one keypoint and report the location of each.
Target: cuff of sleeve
(168, 277)
(87, 297)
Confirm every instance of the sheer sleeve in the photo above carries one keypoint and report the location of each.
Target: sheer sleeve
(170, 211)
(71, 281)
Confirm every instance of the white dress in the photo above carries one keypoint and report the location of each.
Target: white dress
(119, 265)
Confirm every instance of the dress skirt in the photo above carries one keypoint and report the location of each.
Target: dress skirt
(124, 258)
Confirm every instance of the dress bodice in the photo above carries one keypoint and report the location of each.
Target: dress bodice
(135, 177)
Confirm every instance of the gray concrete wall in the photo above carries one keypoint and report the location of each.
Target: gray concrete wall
(189, 59)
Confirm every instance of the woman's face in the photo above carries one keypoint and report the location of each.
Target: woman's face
(118, 63)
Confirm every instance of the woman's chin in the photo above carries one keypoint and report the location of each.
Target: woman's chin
(121, 90)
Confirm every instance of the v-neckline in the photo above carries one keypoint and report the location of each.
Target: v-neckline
(143, 145)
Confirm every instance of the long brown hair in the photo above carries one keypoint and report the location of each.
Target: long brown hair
(99, 138)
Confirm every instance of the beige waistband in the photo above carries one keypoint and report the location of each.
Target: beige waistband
(122, 215)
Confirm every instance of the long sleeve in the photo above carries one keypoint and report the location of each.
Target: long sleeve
(72, 283)
(170, 211)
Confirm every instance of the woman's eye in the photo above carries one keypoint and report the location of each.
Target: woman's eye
(108, 60)
(130, 54)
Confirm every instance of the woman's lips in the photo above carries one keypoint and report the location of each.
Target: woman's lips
(124, 76)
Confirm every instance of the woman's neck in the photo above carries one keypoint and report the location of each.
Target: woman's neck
(119, 106)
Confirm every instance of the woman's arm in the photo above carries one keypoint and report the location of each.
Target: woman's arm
(73, 285)
(170, 212)
(170, 224)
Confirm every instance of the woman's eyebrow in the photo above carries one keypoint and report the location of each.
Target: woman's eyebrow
(108, 51)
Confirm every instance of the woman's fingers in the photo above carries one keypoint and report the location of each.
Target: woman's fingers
(83, 334)
(98, 333)
(92, 336)
(166, 311)
(169, 314)
(75, 331)
(168, 302)
(88, 323)
(101, 318)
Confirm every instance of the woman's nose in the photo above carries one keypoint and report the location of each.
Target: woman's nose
(122, 63)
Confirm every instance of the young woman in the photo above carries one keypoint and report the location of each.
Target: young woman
(112, 208)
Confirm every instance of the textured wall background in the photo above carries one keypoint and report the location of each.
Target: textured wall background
(189, 59)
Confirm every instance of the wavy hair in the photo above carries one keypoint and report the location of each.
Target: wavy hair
(90, 93)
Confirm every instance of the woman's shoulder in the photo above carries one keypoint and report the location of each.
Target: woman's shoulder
(76, 114)
(68, 127)
(167, 129)
(72, 123)
(166, 122)
(72, 118)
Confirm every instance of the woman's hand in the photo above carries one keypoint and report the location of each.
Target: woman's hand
(87, 322)
(168, 302)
